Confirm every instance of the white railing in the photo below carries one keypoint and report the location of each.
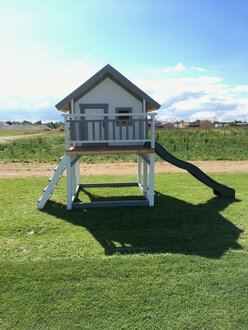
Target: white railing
(85, 129)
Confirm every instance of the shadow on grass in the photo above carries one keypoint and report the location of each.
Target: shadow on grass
(172, 226)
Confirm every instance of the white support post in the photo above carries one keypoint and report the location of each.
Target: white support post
(69, 182)
(151, 180)
(145, 178)
(139, 168)
(77, 167)
(73, 178)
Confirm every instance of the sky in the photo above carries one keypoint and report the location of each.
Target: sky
(191, 56)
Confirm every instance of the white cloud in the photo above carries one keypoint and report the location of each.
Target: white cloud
(241, 88)
(204, 97)
(177, 68)
(29, 89)
(198, 68)
(34, 76)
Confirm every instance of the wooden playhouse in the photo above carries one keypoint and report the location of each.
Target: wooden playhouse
(106, 114)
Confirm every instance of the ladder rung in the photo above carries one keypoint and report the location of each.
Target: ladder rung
(53, 188)
(59, 177)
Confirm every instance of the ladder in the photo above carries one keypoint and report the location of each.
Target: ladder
(53, 182)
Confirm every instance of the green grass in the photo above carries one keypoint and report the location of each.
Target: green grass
(185, 144)
(180, 265)
(228, 144)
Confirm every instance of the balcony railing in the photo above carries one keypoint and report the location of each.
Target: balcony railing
(109, 129)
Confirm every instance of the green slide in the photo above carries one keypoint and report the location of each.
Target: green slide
(218, 188)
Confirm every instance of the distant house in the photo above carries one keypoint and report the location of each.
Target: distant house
(177, 124)
(168, 125)
(218, 125)
(158, 123)
(184, 124)
(165, 125)
(206, 124)
(195, 123)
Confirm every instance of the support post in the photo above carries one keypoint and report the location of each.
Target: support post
(77, 168)
(73, 178)
(151, 181)
(69, 182)
(139, 168)
(144, 177)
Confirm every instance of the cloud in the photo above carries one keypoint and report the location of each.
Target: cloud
(30, 89)
(204, 97)
(241, 88)
(181, 97)
(35, 73)
(44, 114)
(198, 68)
(177, 68)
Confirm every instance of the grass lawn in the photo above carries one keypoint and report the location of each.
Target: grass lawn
(180, 265)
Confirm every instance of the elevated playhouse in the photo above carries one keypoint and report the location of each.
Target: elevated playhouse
(108, 114)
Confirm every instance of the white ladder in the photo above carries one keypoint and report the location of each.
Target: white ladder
(53, 182)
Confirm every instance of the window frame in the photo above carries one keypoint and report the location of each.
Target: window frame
(122, 119)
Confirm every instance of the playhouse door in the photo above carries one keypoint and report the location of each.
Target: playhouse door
(94, 125)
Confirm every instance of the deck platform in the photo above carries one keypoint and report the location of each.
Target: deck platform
(93, 150)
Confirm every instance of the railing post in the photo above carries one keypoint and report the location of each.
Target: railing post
(79, 123)
(153, 131)
(145, 118)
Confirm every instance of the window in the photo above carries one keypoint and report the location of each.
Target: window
(125, 120)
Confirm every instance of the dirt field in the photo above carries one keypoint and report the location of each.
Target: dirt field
(18, 137)
(17, 170)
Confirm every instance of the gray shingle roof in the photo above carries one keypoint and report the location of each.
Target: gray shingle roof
(110, 72)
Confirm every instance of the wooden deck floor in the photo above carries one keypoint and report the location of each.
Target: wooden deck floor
(108, 150)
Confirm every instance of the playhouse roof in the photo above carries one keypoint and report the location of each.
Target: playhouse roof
(107, 72)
